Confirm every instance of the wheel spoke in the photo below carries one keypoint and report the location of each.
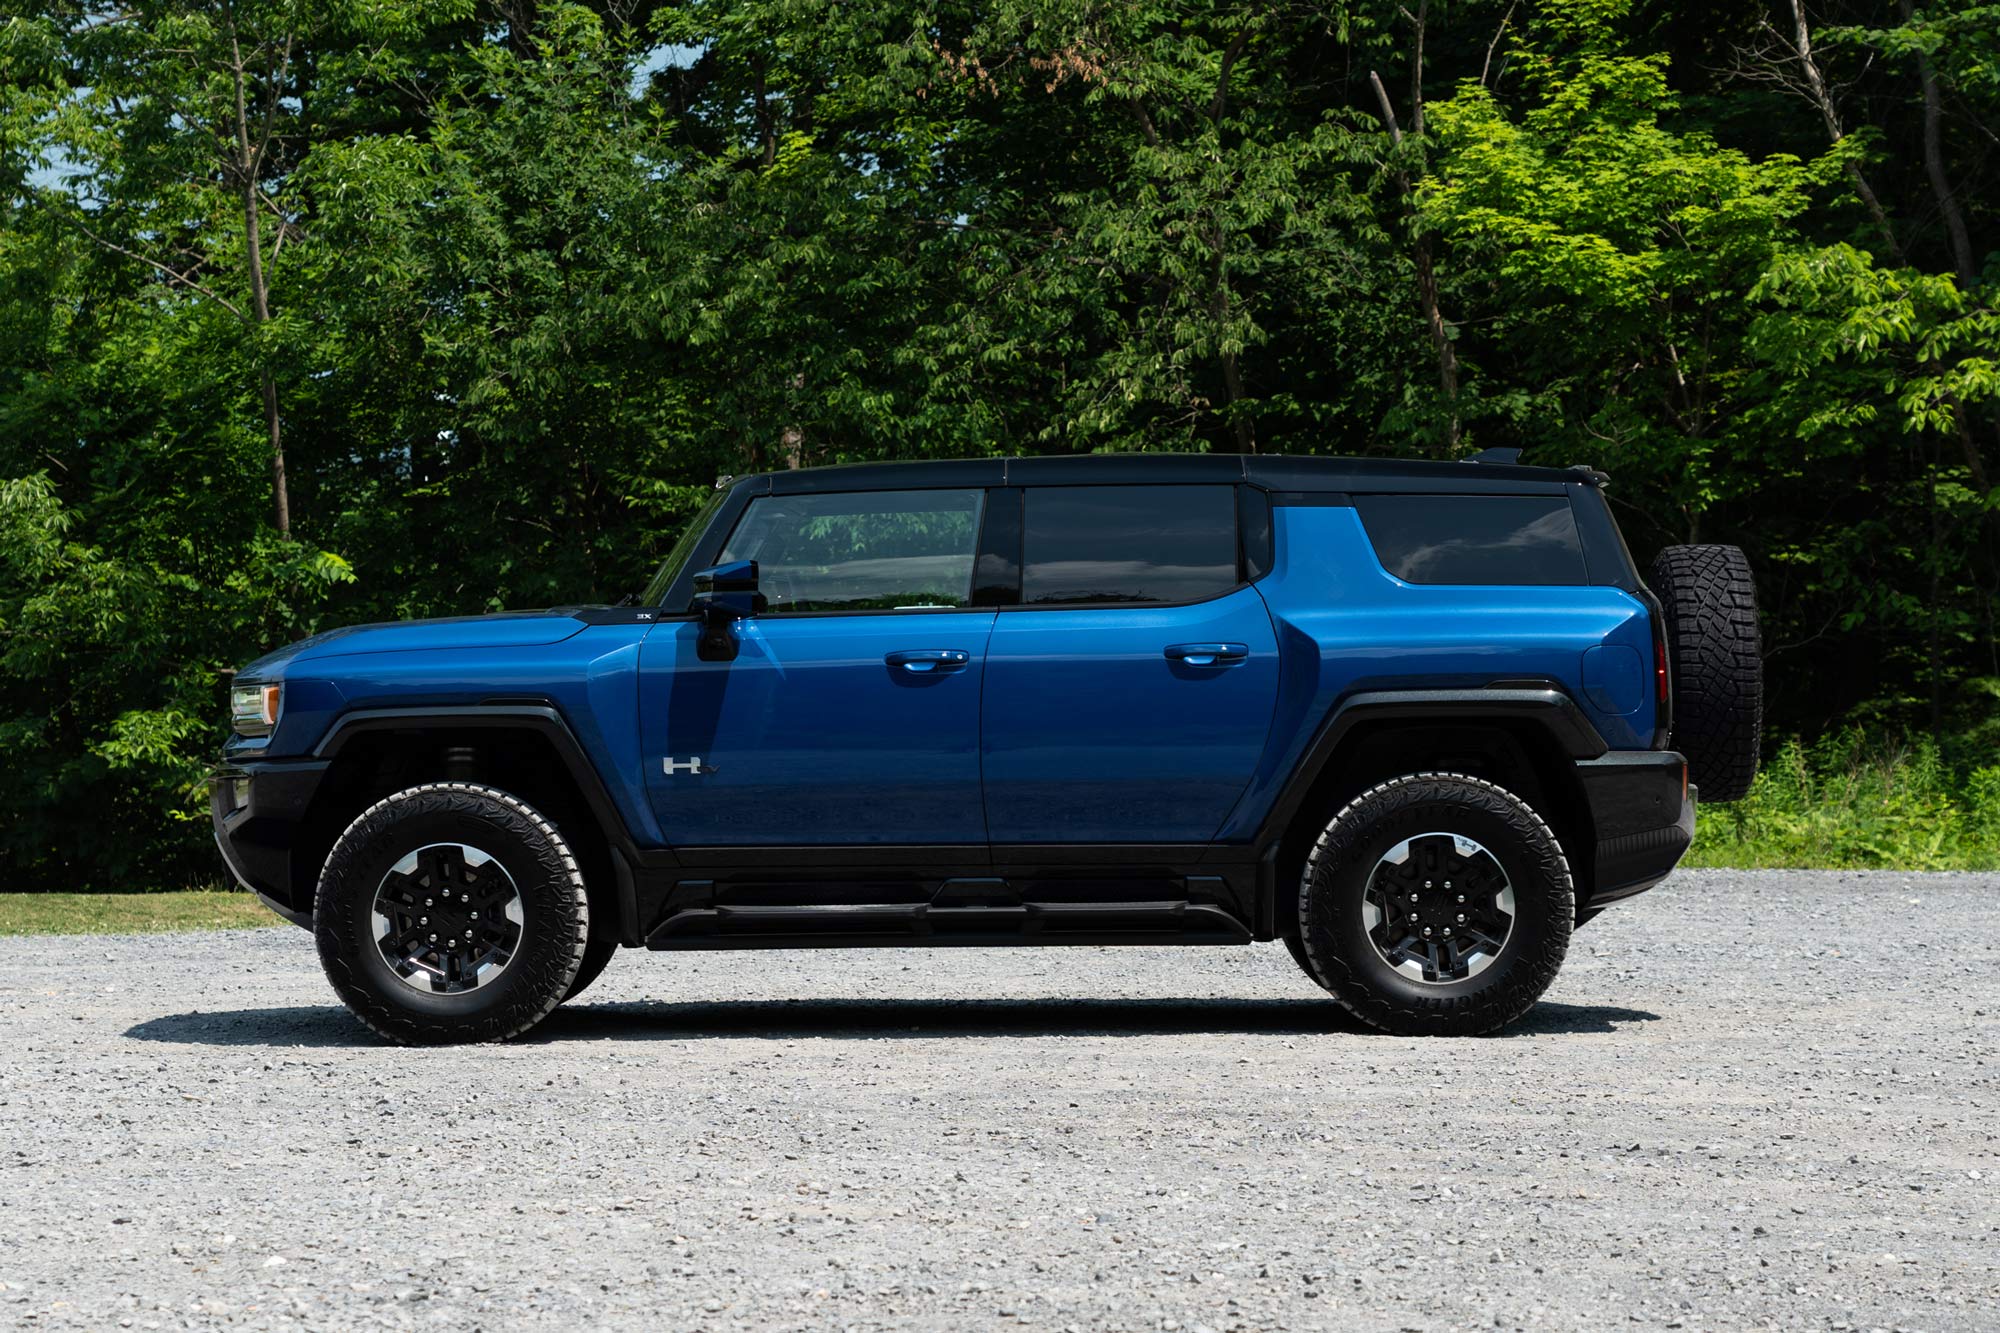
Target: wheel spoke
(447, 917)
(1435, 901)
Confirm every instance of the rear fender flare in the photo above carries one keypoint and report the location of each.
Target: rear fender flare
(1543, 706)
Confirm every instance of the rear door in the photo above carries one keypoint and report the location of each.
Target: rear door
(1129, 692)
(850, 715)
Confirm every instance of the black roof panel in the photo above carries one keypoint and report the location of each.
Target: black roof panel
(1276, 472)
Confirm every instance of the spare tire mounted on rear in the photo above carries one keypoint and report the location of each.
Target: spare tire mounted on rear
(1715, 663)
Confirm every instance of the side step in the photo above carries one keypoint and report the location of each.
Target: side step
(958, 912)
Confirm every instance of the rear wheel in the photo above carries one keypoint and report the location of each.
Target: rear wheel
(596, 957)
(451, 913)
(1436, 904)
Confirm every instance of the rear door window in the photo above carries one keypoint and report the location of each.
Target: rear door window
(1128, 544)
(863, 551)
(1504, 539)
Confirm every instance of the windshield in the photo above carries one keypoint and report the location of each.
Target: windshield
(683, 550)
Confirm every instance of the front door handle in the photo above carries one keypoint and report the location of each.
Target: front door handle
(928, 661)
(1207, 654)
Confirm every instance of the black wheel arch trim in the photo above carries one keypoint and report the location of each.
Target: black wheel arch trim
(1543, 705)
(547, 721)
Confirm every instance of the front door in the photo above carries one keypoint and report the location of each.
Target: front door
(1129, 694)
(850, 714)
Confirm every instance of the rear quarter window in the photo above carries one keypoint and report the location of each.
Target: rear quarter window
(1505, 539)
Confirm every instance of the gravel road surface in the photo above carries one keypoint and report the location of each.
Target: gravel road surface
(1752, 1099)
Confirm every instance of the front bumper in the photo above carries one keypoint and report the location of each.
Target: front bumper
(1642, 809)
(256, 808)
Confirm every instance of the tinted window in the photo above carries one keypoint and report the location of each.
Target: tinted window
(877, 551)
(1128, 544)
(1474, 538)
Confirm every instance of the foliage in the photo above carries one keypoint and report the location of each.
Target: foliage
(524, 280)
(1848, 802)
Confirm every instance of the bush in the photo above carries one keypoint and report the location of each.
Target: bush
(1849, 801)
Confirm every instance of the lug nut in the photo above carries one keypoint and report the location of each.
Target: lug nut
(430, 902)
(1427, 884)
(1447, 932)
(1447, 884)
(1461, 897)
(434, 939)
(1427, 933)
(1461, 918)
(475, 916)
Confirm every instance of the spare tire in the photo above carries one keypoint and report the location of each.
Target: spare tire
(1714, 663)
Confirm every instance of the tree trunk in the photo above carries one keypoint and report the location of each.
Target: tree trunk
(1823, 99)
(248, 164)
(1947, 201)
(1426, 265)
(1219, 295)
(281, 499)
(1447, 352)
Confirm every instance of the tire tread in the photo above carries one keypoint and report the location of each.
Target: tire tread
(1715, 651)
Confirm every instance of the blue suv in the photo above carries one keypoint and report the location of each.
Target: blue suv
(1418, 720)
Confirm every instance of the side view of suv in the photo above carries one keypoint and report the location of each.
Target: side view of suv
(1418, 720)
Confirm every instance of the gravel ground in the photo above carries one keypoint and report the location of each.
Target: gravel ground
(1750, 1100)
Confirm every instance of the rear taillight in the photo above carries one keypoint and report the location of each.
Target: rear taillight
(1663, 681)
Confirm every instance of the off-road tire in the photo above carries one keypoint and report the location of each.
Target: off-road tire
(554, 935)
(1334, 934)
(596, 957)
(1715, 663)
(1296, 947)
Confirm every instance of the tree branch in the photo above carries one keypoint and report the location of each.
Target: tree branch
(1417, 68)
(1498, 32)
(1388, 111)
(165, 271)
(1229, 56)
(1816, 90)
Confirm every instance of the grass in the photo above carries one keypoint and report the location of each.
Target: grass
(129, 913)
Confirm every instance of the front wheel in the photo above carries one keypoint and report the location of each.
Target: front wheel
(1436, 905)
(451, 913)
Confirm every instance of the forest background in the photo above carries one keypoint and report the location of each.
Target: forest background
(322, 311)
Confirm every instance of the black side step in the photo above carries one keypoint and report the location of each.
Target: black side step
(962, 912)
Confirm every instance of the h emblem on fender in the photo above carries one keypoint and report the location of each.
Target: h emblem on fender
(694, 766)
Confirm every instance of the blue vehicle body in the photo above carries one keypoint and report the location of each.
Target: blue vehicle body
(1146, 763)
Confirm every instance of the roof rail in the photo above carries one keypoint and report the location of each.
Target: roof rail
(1496, 456)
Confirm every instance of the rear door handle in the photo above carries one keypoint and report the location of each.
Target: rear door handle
(928, 661)
(1208, 654)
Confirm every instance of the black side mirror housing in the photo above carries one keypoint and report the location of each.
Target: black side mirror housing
(724, 595)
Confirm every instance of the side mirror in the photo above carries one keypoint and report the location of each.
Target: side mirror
(724, 595)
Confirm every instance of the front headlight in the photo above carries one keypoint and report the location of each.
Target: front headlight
(253, 709)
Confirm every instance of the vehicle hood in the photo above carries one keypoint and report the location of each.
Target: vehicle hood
(502, 629)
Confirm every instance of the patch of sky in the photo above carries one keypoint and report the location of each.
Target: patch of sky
(660, 58)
